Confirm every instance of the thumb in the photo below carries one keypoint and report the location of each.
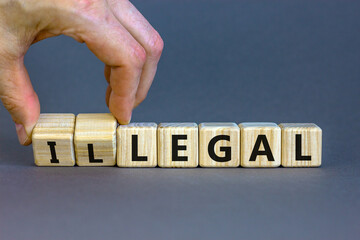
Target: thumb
(19, 98)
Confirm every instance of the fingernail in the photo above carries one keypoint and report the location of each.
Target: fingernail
(22, 135)
(125, 122)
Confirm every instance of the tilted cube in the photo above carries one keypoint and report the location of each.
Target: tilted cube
(95, 139)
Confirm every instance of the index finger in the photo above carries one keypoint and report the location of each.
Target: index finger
(116, 47)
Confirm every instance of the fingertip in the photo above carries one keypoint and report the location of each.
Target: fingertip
(125, 121)
(123, 117)
(24, 131)
(23, 136)
(121, 108)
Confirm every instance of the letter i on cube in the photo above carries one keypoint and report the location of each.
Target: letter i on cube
(52, 140)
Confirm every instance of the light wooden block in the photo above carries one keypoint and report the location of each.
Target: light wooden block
(183, 151)
(301, 145)
(219, 145)
(95, 139)
(137, 145)
(260, 144)
(52, 140)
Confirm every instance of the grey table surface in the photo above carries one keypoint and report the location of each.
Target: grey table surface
(277, 61)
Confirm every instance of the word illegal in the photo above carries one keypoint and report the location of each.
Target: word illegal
(97, 140)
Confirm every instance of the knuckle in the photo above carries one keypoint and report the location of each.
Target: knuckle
(155, 45)
(85, 5)
(138, 56)
(91, 11)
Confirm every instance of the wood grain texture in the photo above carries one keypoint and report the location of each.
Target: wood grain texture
(145, 134)
(99, 130)
(249, 135)
(207, 132)
(57, 128)
(311, 144)
(165, 132)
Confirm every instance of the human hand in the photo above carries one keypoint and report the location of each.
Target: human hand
(114, 30)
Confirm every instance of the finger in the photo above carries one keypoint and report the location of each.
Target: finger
(107, 71)
(123, 92)
(19, 98)
(146, 35)
(107, 95)
(116, 47)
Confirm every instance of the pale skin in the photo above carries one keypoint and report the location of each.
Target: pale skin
(114, 30)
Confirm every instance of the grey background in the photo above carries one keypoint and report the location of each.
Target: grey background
(278, 61)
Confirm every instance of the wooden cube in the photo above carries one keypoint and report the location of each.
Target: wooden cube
(95, 139)
(219, 145)
(177, 145)
(260, 144)
(137, 145)
(301, 145)
(52, 140)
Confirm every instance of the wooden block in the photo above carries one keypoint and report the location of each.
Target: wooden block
(178, 145)
(301, 145)
(219, 145)
(52, 140)
(260, 144)
(137, 145)
(95, 139)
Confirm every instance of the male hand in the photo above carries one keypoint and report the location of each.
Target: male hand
(114, 30)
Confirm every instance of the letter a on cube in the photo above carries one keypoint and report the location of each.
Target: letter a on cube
(260, 144)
